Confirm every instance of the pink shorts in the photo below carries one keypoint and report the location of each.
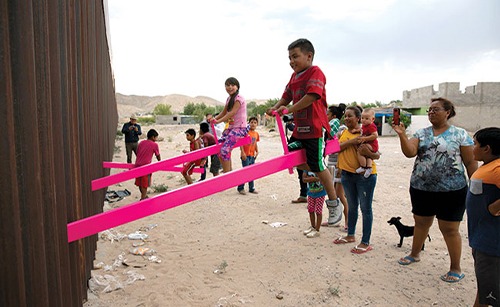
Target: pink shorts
(315, 204)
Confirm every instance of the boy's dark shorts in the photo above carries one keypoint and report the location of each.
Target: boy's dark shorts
(488, 278)
(446, 206)
(315, 148)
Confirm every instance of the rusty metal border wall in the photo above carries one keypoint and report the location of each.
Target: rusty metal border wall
(58, 117)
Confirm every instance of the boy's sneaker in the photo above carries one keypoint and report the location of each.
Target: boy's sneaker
(368, 172)
(308, 230)
(360, 170)
(335, 212)
(313, 234)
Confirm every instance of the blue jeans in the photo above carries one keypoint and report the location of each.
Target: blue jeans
(247, 162)
(359, 193)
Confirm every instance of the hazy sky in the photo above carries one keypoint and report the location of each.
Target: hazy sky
(369, 50)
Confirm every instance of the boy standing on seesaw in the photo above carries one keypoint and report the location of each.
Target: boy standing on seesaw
(306, 89)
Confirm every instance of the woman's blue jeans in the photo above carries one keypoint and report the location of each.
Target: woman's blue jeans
(359, 192)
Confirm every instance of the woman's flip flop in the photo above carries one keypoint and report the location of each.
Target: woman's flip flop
(408, 260)
(361, 250)
(342, 240)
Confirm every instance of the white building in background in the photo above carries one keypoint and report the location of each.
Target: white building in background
(176, 119)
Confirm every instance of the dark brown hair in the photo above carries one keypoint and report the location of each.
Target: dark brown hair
(447, 105)
(232, 81)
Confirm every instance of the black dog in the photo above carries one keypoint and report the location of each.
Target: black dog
(403, 230)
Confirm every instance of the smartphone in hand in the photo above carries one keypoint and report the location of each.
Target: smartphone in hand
(395, 116)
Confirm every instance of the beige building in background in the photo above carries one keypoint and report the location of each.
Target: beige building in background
(477, 107)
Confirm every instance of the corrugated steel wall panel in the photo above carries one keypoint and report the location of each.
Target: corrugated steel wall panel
(58, 109)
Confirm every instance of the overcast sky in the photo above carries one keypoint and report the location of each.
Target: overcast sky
(369, 50)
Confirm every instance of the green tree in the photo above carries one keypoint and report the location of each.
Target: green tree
(261, 109)
(162, 109)
(189, 109)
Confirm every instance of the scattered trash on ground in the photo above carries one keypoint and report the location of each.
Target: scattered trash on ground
(154, 259)
(221, 268)
(137, 236)
(133, 276)
(104, 284)
(112, 235)
(148, 227)
(143, 251)
(233, 300)
(108, 283)
(277, 224)
(114, 196)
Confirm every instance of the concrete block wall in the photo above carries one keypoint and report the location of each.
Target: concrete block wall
(478, 107)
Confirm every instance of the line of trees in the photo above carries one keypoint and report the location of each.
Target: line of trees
(199, 110)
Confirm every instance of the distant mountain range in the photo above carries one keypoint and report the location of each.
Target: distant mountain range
(139, 105)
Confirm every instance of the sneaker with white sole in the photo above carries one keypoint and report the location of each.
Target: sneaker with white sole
(335, 212)
(313, 234)
(308, 230)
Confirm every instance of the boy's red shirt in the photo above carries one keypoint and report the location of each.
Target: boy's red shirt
(310, 121)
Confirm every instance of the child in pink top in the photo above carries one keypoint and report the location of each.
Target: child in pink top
(145, 151)
(235, 113)
(368, 136)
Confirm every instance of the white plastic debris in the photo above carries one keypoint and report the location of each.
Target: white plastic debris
(277, 224)
(137, 236)
(143, 251)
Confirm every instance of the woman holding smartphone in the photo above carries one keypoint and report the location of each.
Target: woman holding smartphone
(438, 185)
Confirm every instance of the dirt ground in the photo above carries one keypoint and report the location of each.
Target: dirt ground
(217, 251)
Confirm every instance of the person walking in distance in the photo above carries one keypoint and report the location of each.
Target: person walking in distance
(131, 130)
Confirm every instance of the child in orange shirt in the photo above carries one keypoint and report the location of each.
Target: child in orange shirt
(249, 153)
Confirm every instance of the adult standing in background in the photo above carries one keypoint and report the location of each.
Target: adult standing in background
(438, 185)
(131, 130)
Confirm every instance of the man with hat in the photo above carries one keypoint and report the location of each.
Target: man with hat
(131, 130)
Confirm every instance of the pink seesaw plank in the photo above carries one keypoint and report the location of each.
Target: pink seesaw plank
(161, 165)
(99, 222)
(131, 165)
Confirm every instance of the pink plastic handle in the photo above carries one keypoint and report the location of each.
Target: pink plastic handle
(282, 134)
(215, 132)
